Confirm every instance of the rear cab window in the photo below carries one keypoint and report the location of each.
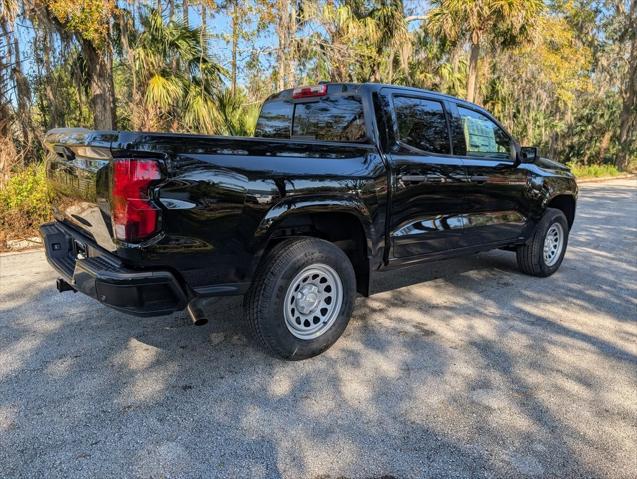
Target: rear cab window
(338, 118)
(275, 120)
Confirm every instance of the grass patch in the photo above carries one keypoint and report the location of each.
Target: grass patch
(25, 203)
(593, 171)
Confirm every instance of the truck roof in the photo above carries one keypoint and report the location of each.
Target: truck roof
(373, 87)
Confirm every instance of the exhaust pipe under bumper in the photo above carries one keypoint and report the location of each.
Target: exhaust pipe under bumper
(196, 313)
(63, 286)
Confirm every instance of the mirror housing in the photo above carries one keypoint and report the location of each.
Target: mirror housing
(529, 154)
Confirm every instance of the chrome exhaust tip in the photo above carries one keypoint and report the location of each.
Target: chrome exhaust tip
(196, 313)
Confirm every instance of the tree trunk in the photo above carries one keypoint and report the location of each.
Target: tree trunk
(473, 71)
(628, 116)
(102, 101)
(235, 45)
(5, 61)
(291, 47)
(185, 12)
(8, 151)
(280, 77)
(604, 143)
(23, 91)
(56, 114)
(204, 27)
(454, 59)
(282, 30)
(390, 76)
(286, 29)
(483, 71)
(136, 104)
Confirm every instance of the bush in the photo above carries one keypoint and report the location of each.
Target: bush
(593, 171)
(25, 202)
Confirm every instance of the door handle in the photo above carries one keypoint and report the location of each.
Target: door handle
(413, 177)
(479, 179)
(422, 178)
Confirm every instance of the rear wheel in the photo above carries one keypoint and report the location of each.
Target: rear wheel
(543, 254)
(302, 298)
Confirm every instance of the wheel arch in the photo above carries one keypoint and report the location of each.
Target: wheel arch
(565, 203)
(344, 222)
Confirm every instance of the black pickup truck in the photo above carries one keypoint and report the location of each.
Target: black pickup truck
(340, 183)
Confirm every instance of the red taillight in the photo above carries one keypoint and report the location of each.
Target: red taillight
(134, 216)
(309, 91)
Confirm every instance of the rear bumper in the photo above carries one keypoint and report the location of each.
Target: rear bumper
(102, 276)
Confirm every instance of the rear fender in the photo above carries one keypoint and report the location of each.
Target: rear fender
(270, 228)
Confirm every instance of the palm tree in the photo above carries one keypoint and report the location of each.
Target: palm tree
(238, 114)
(176, 79)
(501, 23)
(345, 45)
(391, 36)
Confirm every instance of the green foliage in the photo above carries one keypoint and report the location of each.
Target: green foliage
(239, 116)
(593, 171)
(89, 18)
(503, 22)
(67, 85)
(25, 200)
(172, 79)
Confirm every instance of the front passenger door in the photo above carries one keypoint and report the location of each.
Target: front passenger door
(496, 188)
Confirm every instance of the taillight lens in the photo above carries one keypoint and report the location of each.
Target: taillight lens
(134, 215)
(309, 91)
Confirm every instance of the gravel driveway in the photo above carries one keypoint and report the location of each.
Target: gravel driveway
(458, 369)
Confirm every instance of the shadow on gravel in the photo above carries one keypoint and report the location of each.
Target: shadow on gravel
(469, 374)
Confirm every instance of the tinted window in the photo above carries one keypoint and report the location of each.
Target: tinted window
(330, 119)
(275, 120)
(482, 136)
(422, 124)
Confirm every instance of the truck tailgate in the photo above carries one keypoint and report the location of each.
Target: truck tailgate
(78, 174)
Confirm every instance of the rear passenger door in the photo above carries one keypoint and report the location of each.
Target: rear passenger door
(426, 179)
(496, 188)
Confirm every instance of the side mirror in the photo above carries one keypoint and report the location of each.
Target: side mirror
(528, 154)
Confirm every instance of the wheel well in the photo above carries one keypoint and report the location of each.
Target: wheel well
(566, 203)
(343, 229)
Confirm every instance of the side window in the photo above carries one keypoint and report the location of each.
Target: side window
(482, 136)
(422, 124)
(274, 120)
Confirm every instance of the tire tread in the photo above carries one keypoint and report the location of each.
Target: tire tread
(260, 294)
(529, 256)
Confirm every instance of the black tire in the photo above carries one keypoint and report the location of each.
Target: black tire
(530, 256)
(264, 302)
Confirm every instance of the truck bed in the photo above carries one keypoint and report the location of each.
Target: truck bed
(215, 195)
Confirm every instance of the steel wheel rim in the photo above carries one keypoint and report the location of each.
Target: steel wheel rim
(313, 301)
(553, 243)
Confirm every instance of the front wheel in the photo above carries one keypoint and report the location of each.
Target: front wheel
(543, 254)
(302, 298)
